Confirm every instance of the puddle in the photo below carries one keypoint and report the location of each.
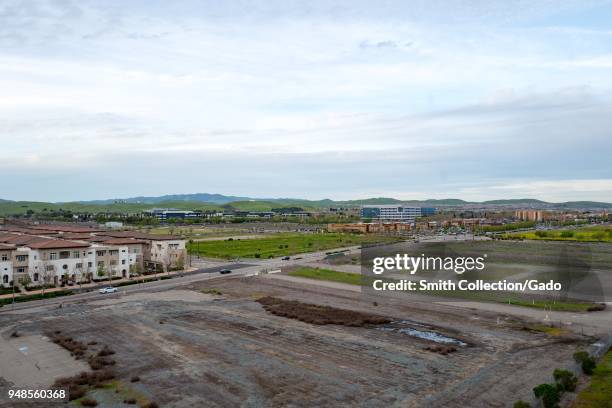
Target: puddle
(403, 328)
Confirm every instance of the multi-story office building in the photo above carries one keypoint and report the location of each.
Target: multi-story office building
(394, 213)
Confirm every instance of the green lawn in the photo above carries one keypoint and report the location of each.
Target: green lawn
(327, 275)
(599, 393)
(589, 234)
(280, 245)
(496, 297)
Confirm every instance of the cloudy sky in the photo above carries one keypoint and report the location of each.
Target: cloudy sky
(314, 99)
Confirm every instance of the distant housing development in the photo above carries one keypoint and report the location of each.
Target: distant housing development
(52, 254)
(395, 213)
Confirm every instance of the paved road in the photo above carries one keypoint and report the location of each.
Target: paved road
(188, 277)
(237, 267)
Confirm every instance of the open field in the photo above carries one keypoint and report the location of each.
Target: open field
(598, 394)
(588, 234)
(188, 348)
(280, 245)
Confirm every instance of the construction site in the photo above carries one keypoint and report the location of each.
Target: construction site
(275, 340)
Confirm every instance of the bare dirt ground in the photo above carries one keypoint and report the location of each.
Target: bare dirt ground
(193, 349)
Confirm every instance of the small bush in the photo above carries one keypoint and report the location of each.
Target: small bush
(566, 380)
(521, 404)
(106, 351)
(129, 401)
(549, 394)
(588, 365)
(89, 402)
(580, 356)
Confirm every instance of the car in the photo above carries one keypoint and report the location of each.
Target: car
(224, 271)
(286, 258)
(109, 289)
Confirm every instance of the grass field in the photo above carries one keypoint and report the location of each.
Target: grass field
(327, 275)
(599, 393)
(588, 234)
(496, 297)
(279, 245)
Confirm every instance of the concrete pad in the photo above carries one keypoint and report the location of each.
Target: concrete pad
(35, 362)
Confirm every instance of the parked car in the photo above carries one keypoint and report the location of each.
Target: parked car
(109, 289)
(286, 258)
(224, 271)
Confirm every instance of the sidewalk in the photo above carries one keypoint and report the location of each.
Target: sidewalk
(97, 284)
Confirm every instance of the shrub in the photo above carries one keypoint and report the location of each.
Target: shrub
(588, 365)
(549, 394)
(521, 404)
(580, 356)
(129, 401)
(106, 351)
(566, 380)
(89, 402)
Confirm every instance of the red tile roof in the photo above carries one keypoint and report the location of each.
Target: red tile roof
(58, 244)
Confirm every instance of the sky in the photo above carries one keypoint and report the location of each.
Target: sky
(307, 99)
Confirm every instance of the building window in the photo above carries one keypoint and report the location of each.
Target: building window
(79, 265)
(5, 279)
(64, 267)
(50, 268)
(100, 253)
(114, 252)
(35, 277)
(20, 270)
(53, 255)
(89, 264)
(4, 257)
(21, 258)
(123, 262)
(113, 262)
(101, 263)
(76, 254)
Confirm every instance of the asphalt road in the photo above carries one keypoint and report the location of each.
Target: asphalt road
(238, 269)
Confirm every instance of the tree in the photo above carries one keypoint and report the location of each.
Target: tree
(101, 272)
(25, 281)
(46, 273)
(180, 262)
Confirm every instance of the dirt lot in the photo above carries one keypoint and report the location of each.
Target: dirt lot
(194, 349)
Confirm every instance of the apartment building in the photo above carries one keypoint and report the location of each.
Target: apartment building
(73, 256)
(529, 215)
(6, 264)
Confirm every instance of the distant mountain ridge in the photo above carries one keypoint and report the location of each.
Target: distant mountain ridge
(202, 197)
(214, 199)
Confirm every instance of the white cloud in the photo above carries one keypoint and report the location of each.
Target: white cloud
(438, 83)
